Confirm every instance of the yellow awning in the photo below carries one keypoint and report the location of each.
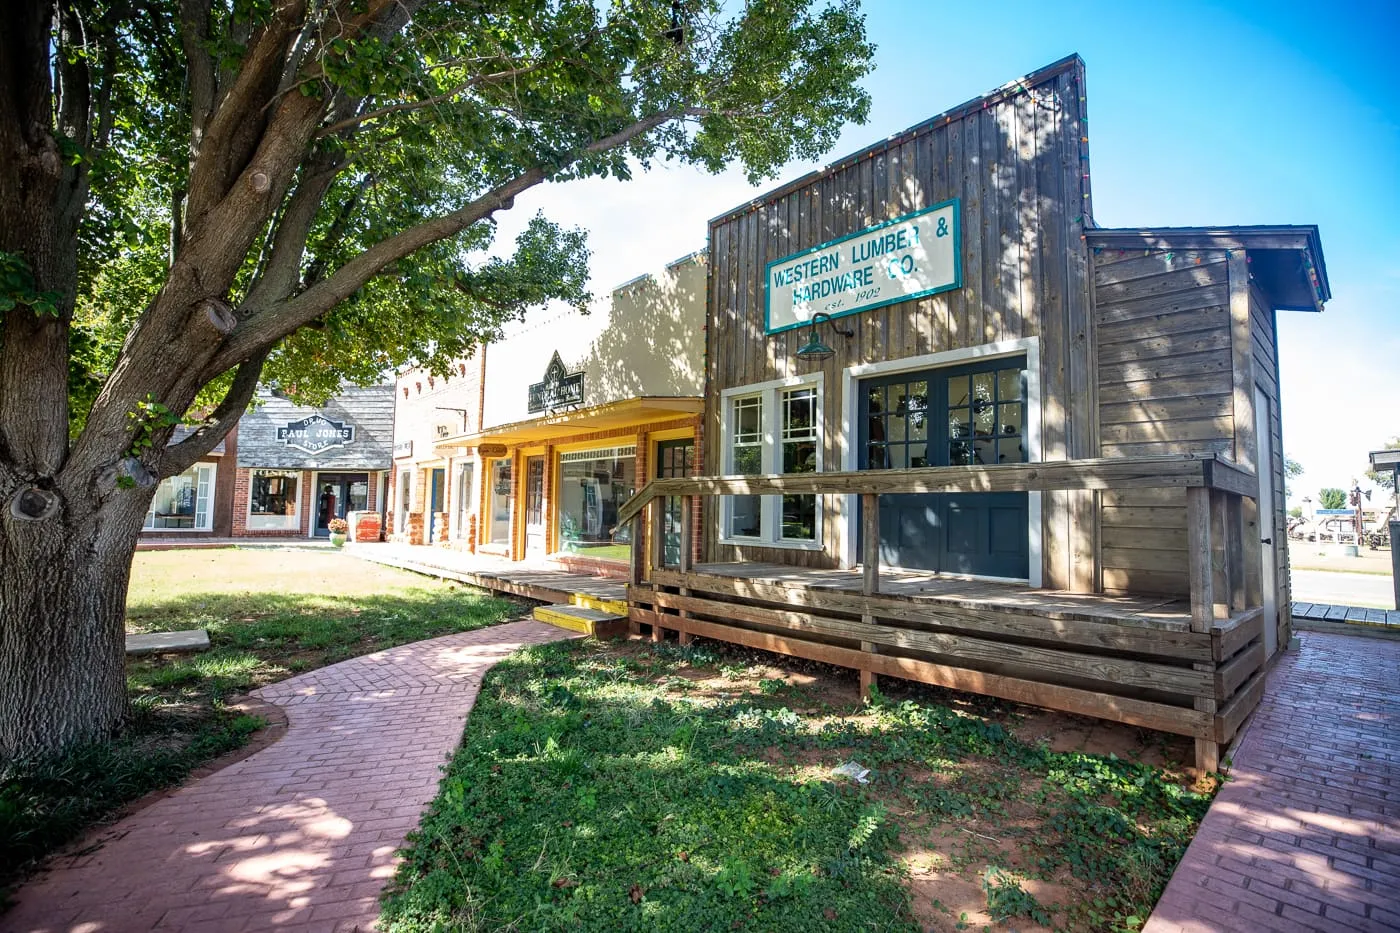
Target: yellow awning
(613, 415)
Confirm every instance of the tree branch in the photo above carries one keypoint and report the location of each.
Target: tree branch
(180, 456)
(280, 276)
(262, 328)
(200, 72)
(427, 101)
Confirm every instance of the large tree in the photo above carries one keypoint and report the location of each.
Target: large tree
(200, 195)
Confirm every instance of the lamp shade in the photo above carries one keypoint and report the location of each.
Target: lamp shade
(814, 350)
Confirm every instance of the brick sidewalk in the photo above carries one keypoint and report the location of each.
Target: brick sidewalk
(1306, 836)
(302, 835)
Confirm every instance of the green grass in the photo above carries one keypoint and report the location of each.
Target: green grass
(604, 787)
(270, 613)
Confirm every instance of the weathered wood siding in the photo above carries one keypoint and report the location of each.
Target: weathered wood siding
(1263, 331)
(1165, 386)
(1183, 337)
(1018, 162)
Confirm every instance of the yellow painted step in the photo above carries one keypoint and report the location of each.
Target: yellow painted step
(616, 607)
(590, 621)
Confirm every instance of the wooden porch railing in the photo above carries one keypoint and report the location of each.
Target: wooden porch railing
(1224, 590)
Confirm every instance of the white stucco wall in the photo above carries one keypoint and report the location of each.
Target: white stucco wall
(646, 338)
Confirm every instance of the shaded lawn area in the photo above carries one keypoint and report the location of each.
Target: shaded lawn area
(270, 614)
(640, 787)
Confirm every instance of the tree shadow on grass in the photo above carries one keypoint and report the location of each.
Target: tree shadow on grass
(179, 717)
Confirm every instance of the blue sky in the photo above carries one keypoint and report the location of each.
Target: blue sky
(1199, 114)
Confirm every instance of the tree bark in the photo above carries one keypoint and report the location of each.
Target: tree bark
(63, 585)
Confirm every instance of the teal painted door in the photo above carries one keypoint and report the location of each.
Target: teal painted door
(973, 414)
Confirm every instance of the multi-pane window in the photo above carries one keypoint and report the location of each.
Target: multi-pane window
(774, 430)
(986, 422)
(746, 458)
(799, 455)
(898, 424)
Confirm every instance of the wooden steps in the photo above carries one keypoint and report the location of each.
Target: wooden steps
(596, 622)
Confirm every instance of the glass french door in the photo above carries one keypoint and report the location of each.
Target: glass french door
(973, 414)
(674, 459)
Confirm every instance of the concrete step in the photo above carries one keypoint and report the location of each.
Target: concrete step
(196, 639)
(584, 619)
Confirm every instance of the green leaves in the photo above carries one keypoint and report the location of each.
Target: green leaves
(17, 287)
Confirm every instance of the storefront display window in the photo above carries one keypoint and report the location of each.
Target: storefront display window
(274, 500)
(184, 502)
(500, 474)
(593, 485)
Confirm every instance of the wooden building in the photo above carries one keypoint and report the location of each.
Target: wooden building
(962, 434)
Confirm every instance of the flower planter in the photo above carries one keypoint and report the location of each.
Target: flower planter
(337, 540)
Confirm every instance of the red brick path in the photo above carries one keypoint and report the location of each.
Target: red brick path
(302, 835)
(1307, 834)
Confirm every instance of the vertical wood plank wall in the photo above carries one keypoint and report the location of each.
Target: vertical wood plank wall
(1018, 161)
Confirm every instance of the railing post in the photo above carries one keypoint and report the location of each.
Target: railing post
(870, 579)
(656, 549)
(638, 552)
(870, 529)
(686, 554)
(1235, 533)
(1200, 563)
(687, 532)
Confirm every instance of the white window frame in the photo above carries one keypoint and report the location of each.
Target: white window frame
(771, 510)
(461, 499)
(262, 522)
(403, 496)
(209, 513)
(1029, 347)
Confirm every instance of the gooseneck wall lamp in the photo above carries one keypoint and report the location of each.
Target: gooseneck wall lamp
(814, 350)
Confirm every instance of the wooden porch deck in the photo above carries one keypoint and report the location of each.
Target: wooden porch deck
(1193, 667)
(922, 586)
(543, 583)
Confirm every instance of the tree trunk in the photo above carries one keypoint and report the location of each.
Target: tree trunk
(63, 585)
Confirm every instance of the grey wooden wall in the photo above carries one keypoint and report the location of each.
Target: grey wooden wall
(1165, 386)
(1183, 336)
(1018, 161)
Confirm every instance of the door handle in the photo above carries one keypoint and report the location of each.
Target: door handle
(1266, 540)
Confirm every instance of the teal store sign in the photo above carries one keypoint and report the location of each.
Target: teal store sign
(909, 257)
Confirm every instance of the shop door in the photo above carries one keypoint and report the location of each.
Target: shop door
(437, 500)
(673, 459)
(339, 494)
(534, 507)
(957, 415)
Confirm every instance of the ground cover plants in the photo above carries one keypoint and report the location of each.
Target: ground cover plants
(658, 787)
(270, 614)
